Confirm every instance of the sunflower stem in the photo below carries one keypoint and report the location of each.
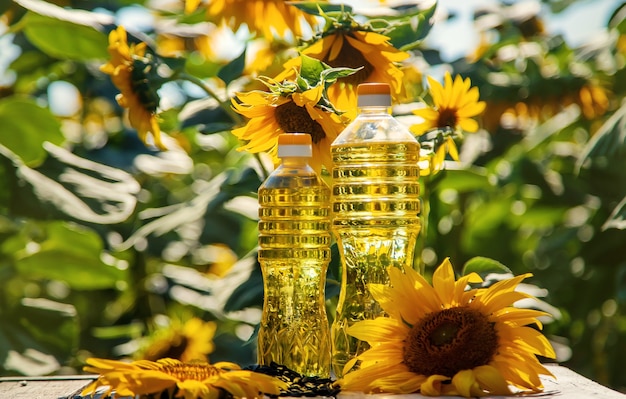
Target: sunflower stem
(224, 104)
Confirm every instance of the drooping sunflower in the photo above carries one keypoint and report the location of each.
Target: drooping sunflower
(189, 380)
(273, 113)
(267, 17)
(188, 341)
(345, 43)
(446, 340)
(128, 67)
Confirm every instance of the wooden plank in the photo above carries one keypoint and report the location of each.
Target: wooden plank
(568, 385)
(42, 387)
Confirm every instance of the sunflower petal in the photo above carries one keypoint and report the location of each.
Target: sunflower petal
(491, 380)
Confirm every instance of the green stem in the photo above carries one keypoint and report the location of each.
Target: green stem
(224, 104)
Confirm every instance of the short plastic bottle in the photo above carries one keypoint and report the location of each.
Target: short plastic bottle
(294, 252)
(376, 205)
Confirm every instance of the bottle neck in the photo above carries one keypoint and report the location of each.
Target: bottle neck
(294, 162)
(374, 110)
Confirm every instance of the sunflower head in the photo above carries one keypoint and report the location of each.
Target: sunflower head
(455, 104)
(346, 43)
(458, 341)
(179, 379)
(134, 73)
(300, 105)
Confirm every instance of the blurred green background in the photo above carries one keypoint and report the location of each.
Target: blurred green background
(110, 248)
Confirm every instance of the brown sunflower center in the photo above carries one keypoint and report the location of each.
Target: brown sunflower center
(349, 57)
(190, 371)
(447, 118)
(173, 348)
(449, 341)
(140, 83)
(294, 119)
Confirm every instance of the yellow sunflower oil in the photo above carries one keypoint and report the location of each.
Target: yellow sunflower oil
(376, 205)
(294, 252)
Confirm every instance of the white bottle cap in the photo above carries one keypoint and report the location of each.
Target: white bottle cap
(373, 95)
(295, 145)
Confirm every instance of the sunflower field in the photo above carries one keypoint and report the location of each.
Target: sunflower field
(134, 136)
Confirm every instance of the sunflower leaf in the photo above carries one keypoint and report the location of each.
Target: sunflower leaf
(484, 266)
(314, 7)
(233, 69)
(332, 74)
(65, 39)
(408, 33)
(311, 70)
(30, 126)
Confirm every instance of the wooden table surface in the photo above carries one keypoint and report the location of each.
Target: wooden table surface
(568, 385)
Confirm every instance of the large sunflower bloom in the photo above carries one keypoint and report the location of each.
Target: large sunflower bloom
(271, 114)
(353, 48)
(140, 100)
(267, 17)
(192, 380)
(446, 340)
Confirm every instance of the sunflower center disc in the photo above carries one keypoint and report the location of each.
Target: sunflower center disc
(190, 371)
(349, 57)
(447, 117)
(294, 119)
(449, 341)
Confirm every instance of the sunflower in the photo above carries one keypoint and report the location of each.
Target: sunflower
(455, 103)
(273, 113)
(455, 342)
(267, 17)
(347, 44)
(189, 341)
(191, 380)
(127, 68)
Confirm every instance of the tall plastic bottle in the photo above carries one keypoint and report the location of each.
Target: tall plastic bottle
(294, 252)
(376, 205)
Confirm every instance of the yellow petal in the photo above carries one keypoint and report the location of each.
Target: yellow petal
(465, 383)
(443, 281)
(433, 385)
(378, 329)
(491, 380)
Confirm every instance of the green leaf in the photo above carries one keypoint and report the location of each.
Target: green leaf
(617, 219)
(314, 7)
(71, 254)
(68, 185)
(608, 144)
(311, 69)
(484, 266)
(26, 126)
(233, 69)
(464, 180)
(249, 293)
(27, 345)
(332, 74)
(408, 33)
(65, 39)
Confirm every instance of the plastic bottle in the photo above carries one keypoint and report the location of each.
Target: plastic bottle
(376, 205)
(294, 252)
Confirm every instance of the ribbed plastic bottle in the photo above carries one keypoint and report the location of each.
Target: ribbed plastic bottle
(376, 205)
(294, 252)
